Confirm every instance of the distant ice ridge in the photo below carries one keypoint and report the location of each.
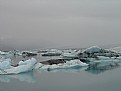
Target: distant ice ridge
(5, 55)
(51, 52)
(116, 49)
(70, 55)
(28, 65)
(68, 64)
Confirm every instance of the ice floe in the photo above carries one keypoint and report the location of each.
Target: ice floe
(25, 66)
(70, 55)
(52, 52)
(68, 64)
(116, 49)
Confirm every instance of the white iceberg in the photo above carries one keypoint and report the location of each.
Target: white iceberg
(93, 49)
(103, 58)
(5, 64)
(70, 55)
(4, 53)
(52, 52)
(69, 64)
(25, 66)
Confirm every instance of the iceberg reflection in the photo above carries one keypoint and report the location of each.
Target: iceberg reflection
(24, 77)
(99, 67)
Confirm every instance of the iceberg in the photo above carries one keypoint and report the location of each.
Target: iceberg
(93, 49)
(97, 53)
(68, 65)
(5, 55)
(28, 54)
(103, 58)
(25, 66)
(5, 64)
(91, 52)
(70, 54)
(52, 52)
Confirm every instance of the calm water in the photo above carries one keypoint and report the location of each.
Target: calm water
(63, 80)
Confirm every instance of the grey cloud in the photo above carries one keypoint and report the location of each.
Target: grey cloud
(75, 23)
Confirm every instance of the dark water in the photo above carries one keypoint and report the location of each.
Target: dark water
(63, 80)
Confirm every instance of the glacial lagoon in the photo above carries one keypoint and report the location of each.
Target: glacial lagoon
(75, 79)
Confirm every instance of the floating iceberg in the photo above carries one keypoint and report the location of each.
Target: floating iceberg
(5, 55)
(25, 66)
(28, 54)
(93, 49)
(103, 58)
(69, 64)
(70, 55)
(52, 52)
(97, 53)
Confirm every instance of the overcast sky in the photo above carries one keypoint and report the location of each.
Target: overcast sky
(60, 23)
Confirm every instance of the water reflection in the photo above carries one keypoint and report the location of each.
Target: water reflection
(24, 77)
(97, 68)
